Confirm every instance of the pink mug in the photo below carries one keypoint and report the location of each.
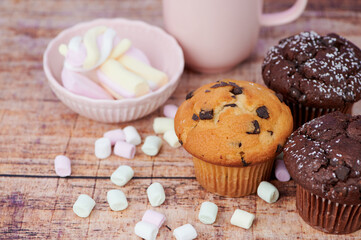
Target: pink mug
(216, 35)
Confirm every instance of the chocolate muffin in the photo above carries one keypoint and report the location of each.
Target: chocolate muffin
(324, 159)
(234, 129)
(314, 74)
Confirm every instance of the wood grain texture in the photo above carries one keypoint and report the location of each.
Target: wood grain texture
(35, 127)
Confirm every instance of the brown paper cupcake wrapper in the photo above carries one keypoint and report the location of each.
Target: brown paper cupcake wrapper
(327, 216)
(302, 114)
(231, 181)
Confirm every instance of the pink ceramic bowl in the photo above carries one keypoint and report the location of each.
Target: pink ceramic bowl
(162, 50)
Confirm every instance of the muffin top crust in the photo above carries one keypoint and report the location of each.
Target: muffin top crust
(233, 123)
(324, 157)
(317, 71)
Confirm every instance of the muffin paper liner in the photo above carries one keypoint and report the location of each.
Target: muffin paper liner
(231, 181)
(302, 114)
(327, 216)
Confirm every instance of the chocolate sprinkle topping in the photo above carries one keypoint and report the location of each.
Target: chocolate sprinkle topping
(245, 164)
(237, 90)
(206, 115)
(221, 84)
(342, 173)
(262, 112)
(231, 105)
(256, 128)
(279, 148)
(195, 117)
(189, 95)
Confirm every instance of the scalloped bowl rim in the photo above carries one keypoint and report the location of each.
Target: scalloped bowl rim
(173, 80)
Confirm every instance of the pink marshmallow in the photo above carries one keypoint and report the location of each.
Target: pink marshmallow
(137, 54)
(81, 85)
(281, 171)
(154, 217)
(62, 166)
(115, 135)
(170, 110)
(124, 149)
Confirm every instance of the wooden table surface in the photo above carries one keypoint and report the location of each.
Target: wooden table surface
(35, 127)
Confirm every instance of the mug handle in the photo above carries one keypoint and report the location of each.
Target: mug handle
(273, 19)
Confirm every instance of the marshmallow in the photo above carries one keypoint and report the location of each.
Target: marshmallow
(124, 149)
(170, 110)
(152, 145)
(242, 219)
(162, 124)
(154, 77)
(154, 217)
(132, 135)
(146, 230)
(62, 166)
(185, 232)
(124, 82)
(81, 85)
(171, 138)
(122, 175)
(208, 213)
(103, 148)
(117, 200)
(281, 171)
(83, 205)
(121, 48)
(138, 54)
(156, 194)
(90, 43)
(268, 192)
(115, 135)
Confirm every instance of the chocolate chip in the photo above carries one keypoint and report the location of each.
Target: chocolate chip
(240, 144)
(221, 84)
(342, 173)
(237, 90)
(195, 117)
(206, 115)
(189, 95)
(270, 132)
(233, 96)
(279, 148)
(233, 84)
(256, 128)
(180, 141)
(245, 164)
(280, 97)
(295, 93)
(206, 91)
(231, 105)
(262, 112)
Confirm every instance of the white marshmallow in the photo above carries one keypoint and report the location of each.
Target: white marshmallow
(185, 232)
(208, 213)
(163, 124)
(268, 192)
(152, 145)
(103, 148)
(156, 194)
(242, 219)
(83, 205)
(171, 138)
(131, 135)
(122, 175)
(146, 230)
(117, 200)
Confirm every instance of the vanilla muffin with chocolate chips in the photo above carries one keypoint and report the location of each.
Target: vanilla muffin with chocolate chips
(315, 74)
(234, 129)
